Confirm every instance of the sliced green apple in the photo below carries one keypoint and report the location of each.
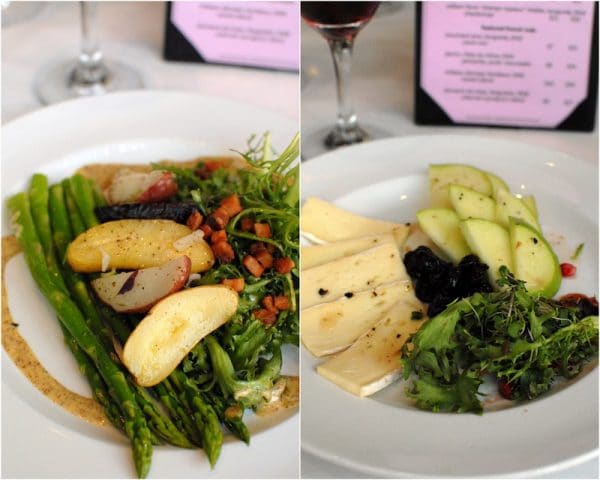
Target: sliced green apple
(468, 203)
(443, 175)
(534, 260)
(490, 242)
(497, 183)
(441, 225)
(507, 205)
(529, 201)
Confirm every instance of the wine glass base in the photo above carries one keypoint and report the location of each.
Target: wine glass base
(57, 82)
(339, 137)
(325, 140)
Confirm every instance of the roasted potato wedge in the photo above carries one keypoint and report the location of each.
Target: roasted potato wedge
(135, 244)
(138, 291)
(172, 328)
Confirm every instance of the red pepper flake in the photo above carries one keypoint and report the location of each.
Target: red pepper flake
(568, 269)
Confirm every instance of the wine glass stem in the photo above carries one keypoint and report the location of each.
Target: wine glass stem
(90, 67)
(341, 51)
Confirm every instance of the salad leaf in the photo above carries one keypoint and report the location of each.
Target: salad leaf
(523, 340)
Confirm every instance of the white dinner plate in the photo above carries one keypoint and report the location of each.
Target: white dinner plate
(385, 435)
(39, 439)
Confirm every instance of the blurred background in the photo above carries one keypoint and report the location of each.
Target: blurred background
(382, 88)
(36, 35)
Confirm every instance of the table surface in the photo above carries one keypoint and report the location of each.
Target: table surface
(382, 93)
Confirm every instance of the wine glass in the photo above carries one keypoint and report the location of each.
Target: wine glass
(88, 74)
(339, 23)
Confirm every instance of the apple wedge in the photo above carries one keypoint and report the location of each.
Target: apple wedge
(530, 203)
(468, 203)
(138, 291)
(135, 244)
(534, 260)
(443, 175)
(507, 205)
(441, 225)
(129, 186)
(173, 327)
(490, 242)
(497, 183)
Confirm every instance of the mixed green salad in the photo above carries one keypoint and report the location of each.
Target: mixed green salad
(523, 340)
(247, 220)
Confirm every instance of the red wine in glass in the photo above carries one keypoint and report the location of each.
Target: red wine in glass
(339, 23)
(341, 20)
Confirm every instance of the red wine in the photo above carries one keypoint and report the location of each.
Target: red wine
(338, 19)
(338, 13)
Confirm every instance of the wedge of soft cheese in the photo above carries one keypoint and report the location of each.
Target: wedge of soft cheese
(327, 252)
(321, 222)
(373, 361)
(330, 327)
(361, 271)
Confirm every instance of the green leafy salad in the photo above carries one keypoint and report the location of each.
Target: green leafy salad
(245, 220)
(523, 340)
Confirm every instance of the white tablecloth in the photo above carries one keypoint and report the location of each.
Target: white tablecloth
(382, 90)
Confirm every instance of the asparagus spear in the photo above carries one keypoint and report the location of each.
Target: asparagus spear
(160, 424)
(99, 200)
(205, 416)
(74, 216)
(73, 320)
(61, 236)
(230, 415)
(38, 198)
(84, 198)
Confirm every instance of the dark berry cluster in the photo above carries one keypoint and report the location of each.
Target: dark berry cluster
(438, 282)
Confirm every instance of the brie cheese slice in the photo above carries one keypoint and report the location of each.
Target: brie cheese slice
(330, 327)
(364, 270)
(315, 255)
(325, 222)
(373, 361)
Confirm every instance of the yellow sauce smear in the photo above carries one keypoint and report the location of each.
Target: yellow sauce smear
(288, 399)
(17, 349)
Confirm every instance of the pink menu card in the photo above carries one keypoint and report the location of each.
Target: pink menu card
(524, 64)
(255, 34)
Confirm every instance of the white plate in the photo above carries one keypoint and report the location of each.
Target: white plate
(386, 436)
(39, 439)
